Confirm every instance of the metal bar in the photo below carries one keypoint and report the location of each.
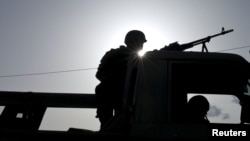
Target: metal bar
(70, 100)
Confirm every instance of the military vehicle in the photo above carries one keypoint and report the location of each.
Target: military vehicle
(155, 99)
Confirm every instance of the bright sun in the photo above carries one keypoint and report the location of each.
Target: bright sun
(141, 53)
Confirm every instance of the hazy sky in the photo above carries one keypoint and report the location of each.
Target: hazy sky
(39, 36)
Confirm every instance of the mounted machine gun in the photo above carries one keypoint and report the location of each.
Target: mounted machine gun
(177, 47)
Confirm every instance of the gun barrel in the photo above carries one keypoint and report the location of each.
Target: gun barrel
(204, 40)
(222, 33)
(231, 30)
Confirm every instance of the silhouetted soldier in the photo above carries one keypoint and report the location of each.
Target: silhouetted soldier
(198, 107)
(112, 72)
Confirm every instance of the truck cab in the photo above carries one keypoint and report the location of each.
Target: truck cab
(157, 92)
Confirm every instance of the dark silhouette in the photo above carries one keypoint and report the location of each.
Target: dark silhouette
(112, 72)
(177, 47)
(198, 107)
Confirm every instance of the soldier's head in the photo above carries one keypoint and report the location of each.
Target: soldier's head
(199, 105)
(135, 39)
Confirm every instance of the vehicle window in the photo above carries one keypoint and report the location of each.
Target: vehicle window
(223, 108)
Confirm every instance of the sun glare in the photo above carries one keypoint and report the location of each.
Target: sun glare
(141, 53)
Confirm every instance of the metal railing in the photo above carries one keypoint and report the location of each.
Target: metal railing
(25, 110)
(71, 100)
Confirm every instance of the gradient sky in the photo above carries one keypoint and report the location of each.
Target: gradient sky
(39, 36)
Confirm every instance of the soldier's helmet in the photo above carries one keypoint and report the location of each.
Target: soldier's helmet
(134, 36)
